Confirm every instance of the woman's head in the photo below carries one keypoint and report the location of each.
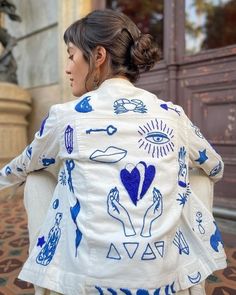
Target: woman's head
(111, 45)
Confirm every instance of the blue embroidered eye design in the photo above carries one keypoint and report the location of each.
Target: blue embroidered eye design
(157, 137)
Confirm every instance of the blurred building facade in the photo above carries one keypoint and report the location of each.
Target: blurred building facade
(197, 70)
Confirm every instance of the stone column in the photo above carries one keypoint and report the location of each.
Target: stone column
(69, 11)
(14, 107)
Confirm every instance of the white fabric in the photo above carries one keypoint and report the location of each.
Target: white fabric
(123, 213)
(38, 194)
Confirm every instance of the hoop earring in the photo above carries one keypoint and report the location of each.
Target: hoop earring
(95, 84)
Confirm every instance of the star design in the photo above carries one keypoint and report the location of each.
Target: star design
(41, 242)
(202, 157)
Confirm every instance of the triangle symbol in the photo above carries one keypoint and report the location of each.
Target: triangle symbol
(131, 248)
(148, 254)
(113, 253)
(160, 247)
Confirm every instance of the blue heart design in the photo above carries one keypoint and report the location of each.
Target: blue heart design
(131, 181)
(149, 175)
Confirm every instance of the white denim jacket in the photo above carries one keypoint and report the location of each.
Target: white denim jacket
(123, 218)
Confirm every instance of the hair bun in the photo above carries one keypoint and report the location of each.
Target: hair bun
(144, 52)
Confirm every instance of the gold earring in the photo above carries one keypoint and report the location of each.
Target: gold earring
(95, 81)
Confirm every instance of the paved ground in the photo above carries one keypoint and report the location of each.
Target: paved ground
(14, 247)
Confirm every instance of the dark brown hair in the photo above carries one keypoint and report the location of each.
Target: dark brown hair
(130, 52)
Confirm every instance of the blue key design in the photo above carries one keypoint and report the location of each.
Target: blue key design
(110, 130)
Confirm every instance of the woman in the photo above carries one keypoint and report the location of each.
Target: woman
(123, 218)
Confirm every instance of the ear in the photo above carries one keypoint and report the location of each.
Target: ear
(100, 55)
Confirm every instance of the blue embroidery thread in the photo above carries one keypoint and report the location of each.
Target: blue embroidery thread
(41, 241)
(148, 254)
(111, 155)
(166, 107)
(48, 161)
(47, 252)
(160, 247)
(74, 211)
(126, 291)
(83, 106)
(216, 170)
(131, 180)
(152, 213)
(62, 177)
(112, 291)
(110, 130)
(29, 151)
(55, 204)
(131, 248)
(199, 221)
(170, 288)
(117, 211)
(157, 291)
(182, 167)
(183, 198)
(180, 243)
(125, 105)
(99, 290)
(196, 279)
(68, 136)
(156, 138)
(113, 253)
(43, 125)
(197, 131)
(70, 165)
(142, 292)
(216, 239)
(202, 157)
(8, 170)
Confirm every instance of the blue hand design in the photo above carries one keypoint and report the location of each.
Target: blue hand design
(117, 211)
(152, 213)
(182, 168)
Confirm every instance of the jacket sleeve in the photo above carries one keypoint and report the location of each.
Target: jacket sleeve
(41, 154)
(202, 155)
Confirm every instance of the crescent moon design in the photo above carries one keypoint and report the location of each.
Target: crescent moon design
(195, 279)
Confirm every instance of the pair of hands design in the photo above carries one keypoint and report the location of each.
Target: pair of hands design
(119, 212)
